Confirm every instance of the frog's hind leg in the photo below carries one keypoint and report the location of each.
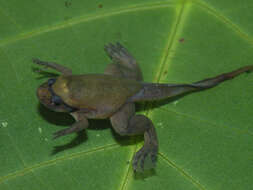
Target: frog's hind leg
(125, 122)
(55, 66)
(124, 64)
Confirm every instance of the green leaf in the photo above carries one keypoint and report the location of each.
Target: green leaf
(205, 138)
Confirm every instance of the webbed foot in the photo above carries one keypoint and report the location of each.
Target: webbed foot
(55, 66)
(119, 54)
(39, 62)
(145, 158)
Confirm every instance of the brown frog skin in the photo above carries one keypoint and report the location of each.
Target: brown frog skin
(113, 95)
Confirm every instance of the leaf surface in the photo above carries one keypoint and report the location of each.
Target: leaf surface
(205, 138)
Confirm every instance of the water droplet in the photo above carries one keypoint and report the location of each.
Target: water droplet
(175, 102)
(40, 130)
(4, 124)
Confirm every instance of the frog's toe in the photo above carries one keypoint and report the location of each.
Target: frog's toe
(118, 53)
(145, 158)
(112, 51)
(39, 62)
(123, 51)
(36, 61)
(60, 133)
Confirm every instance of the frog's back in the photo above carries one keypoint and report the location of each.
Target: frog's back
(102, 93)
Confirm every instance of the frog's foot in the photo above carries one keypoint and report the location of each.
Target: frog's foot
(145, 158)
(64, 132)
(76, 127)
(67, 131)
(119, 54)
(124, 64)
(39, 62)
(55, 66)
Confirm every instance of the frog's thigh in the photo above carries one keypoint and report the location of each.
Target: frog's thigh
(120, 119)
(114, 69)
(125, 122)
(118, 70)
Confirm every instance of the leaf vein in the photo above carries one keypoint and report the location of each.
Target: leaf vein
(11, 19)
(85, 18)
(170, 43)
(225, 20)
(204, 121)
(128, 171)
(54, 161)
(181, 171)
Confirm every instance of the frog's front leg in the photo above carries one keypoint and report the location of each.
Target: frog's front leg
(80, 124)
(125, 122)
(57, 67)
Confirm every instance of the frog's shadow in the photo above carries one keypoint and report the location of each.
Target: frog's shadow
(66, 120)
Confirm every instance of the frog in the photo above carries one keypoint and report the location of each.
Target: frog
(112, 95)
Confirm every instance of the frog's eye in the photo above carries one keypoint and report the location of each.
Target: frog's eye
(50, 82)
(56, 100)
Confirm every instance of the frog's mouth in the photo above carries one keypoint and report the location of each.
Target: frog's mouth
(44, 95)
(50, 100)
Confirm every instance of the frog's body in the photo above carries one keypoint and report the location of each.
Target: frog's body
(101, 94)
(113, 95)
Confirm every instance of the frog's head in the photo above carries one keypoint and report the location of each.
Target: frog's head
(49, 99)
